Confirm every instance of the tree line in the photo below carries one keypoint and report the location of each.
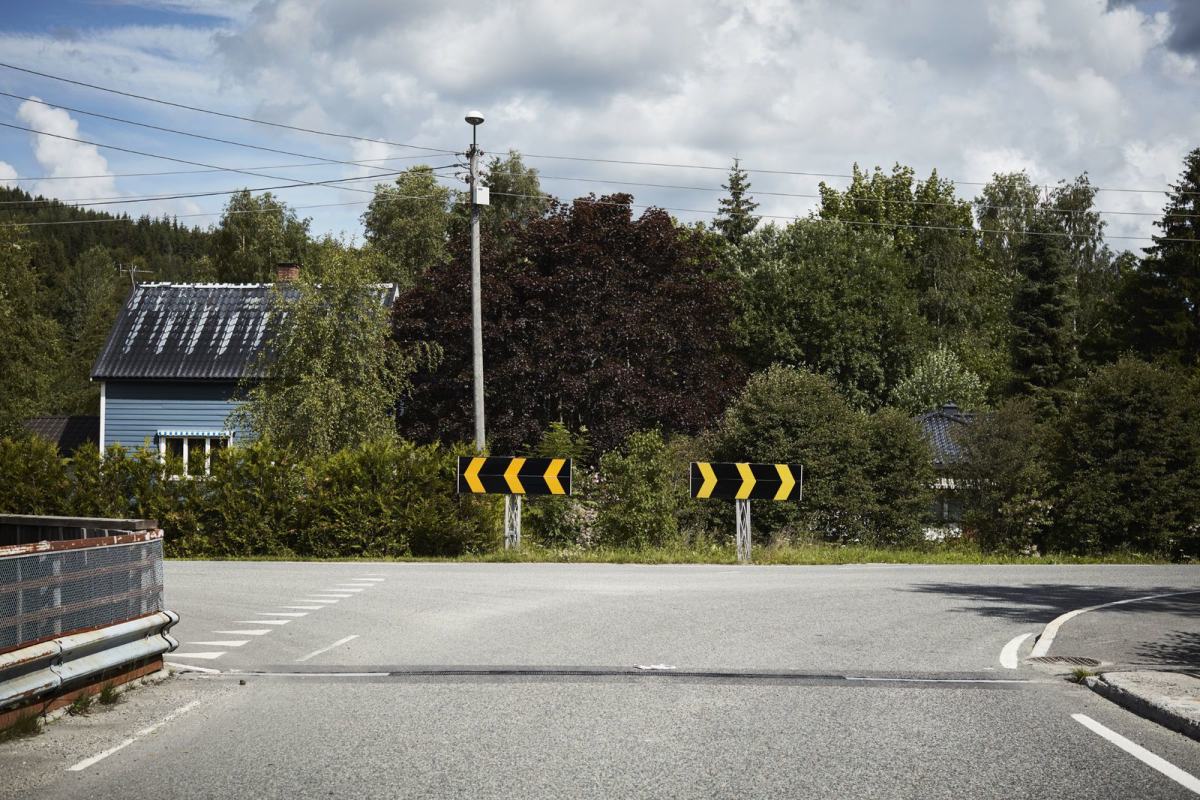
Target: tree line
(608, 328)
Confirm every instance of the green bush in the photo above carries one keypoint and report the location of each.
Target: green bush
(1126, 458)
(562, 521)
(1006, 486)
(33, 477)
(640, 491)
(901, 473)
(788, 415)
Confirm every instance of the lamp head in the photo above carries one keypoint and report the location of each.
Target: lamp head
(474, 118)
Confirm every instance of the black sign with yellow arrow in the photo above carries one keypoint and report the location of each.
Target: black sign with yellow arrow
(514, 475)
(740, 481)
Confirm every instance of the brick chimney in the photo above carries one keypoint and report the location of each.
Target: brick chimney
(287, 272)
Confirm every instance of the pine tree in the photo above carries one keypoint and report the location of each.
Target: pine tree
(736, 217)
(1044, 356)
(1162, 298)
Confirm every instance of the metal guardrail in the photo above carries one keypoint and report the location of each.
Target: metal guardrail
(78, 597)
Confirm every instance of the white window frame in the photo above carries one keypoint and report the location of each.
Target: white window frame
(185, 438)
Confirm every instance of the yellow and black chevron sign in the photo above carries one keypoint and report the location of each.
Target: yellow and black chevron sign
(727, 481)
(514, 475)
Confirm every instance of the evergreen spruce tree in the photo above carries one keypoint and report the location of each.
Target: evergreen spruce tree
(1161, 301)
(1044, 356)
(736, 217)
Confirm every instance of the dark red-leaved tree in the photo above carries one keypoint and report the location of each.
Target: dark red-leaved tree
(593, 318)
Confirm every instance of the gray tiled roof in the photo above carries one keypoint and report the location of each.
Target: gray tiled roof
(941, 428)
(67, 432)
(190, 331)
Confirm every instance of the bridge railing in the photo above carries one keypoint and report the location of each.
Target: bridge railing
(81, 600)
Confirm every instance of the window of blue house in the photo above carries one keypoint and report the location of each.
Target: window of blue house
(193, 450)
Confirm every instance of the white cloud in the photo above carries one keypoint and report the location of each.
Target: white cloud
(61, 158)
(7, 173)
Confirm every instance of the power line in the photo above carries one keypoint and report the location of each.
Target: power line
(954, 228)
(366, 162)
(226, 115)
(76, 202)
(177, 132)
(155, 155)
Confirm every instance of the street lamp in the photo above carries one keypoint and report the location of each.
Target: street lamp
(475, 119)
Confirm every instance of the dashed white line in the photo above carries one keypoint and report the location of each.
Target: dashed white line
(306, 608)
(1047, 638)
(374, 580)
(291, 614)
(1008, 656)
(262, 621)
(1184, 779)
(350, 589)
(254, 632)
(209, 656)
(334, 596)
(193, 668)
(338, 643)
(227, 643)
(87, 762)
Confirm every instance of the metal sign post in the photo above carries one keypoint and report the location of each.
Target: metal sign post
(742, 510)
(744, 482)
(512, 521)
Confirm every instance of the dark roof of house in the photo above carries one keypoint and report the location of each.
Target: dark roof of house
(67, 432)
(180, 331)
(941, 427)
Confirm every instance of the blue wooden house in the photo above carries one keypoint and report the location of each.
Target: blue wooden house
(170, 369)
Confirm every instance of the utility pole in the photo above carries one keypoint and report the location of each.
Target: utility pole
(475, 119)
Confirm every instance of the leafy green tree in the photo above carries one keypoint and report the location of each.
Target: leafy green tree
(791, 415)
(937, 378)
(30, 341)
(735, 217)
(1006, 208)
(831, 298)
(640, 493)
(516, 200)
(408, 223)
(901, 474)
(330, 376)
(1161, 300)
(89, 293)
(1044, 356)
(1126, 457)
(255, 234)
(1006, 484)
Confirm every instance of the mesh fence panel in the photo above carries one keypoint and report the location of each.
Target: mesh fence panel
(49, 594)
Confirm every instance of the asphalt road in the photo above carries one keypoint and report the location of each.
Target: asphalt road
(523, 680)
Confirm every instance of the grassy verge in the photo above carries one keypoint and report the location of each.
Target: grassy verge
(813, 554)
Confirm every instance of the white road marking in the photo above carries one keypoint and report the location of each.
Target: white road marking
(229, 643)
(877, 679)
(306, 608)
(262, 621)
(1008, 656)
(1047, 638)
(350, 588)
(209, 656)
(192, 668)
(1184, 779)
(376, 580)
(338, 643)
(254, 632)
(292, 614)
(87, 762)
(334, 596)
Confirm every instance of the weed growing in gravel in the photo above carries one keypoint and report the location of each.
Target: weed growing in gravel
(1080, 674)
(80, 706)
(108, 695)
(24, 726)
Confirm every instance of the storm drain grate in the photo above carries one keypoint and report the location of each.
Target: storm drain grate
(1078, 661)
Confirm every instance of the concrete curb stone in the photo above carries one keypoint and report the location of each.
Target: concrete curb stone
(1172, 699)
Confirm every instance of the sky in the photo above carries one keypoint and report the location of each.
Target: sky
(1052, 87)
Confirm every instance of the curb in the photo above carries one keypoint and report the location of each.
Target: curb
(1153, 707)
